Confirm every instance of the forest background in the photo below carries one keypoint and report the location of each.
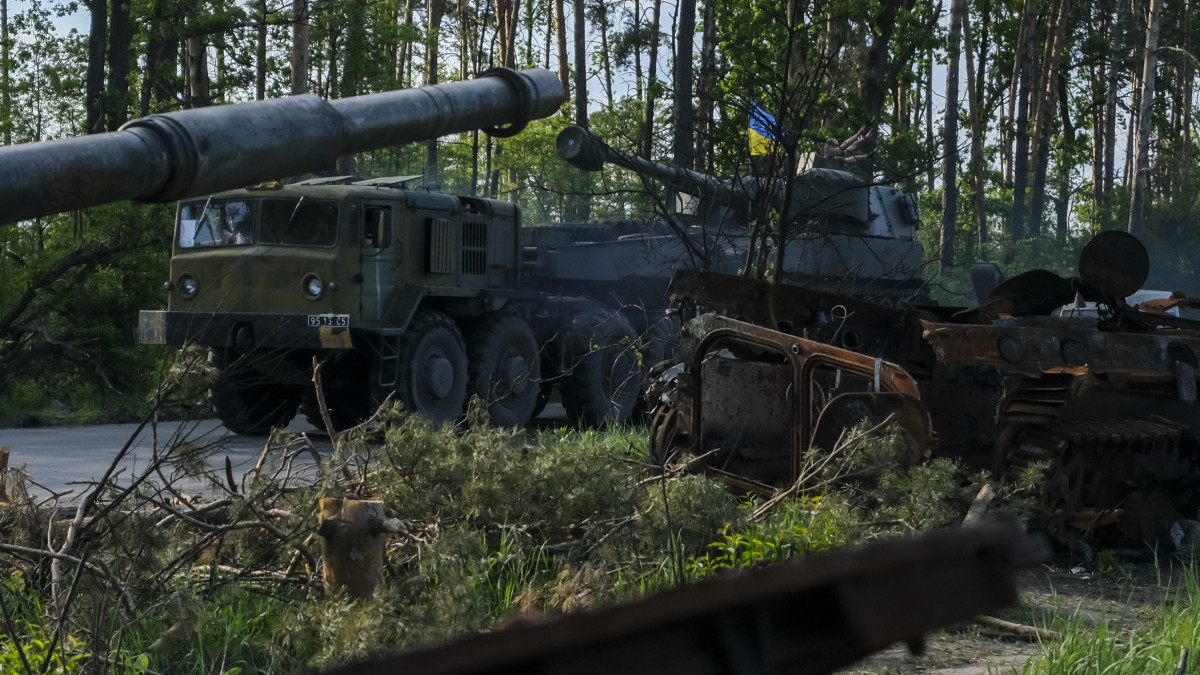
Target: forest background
(1025, 126)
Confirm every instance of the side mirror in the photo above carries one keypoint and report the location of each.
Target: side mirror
(377, 230)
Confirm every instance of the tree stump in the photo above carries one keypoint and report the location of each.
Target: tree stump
(352, 545)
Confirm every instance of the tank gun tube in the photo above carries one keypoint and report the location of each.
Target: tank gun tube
(169, 156)
(584, 150)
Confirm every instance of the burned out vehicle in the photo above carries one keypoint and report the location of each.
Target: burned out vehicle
(1105, 406)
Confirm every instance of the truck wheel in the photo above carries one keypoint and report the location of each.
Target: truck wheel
(504, 367)
(347, 406)
(431, 376)
(248, 404)
(346, 394)
(603, 373)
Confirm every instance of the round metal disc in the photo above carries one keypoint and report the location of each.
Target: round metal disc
(1114, 262)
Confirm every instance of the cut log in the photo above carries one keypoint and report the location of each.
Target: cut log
(352, 544)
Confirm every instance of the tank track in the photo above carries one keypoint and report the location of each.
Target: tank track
(1098, 473)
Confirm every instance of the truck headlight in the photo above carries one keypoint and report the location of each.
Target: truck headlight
(313, 286)
(187, 286)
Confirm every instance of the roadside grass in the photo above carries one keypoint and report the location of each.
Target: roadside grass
(1153, 645)
(501, 524)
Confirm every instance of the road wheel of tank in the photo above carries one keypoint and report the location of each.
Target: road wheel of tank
(247, 403)
(504, 369)
(603, 373)
(431, 371)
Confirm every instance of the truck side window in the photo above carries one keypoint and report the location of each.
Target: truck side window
(377, 226)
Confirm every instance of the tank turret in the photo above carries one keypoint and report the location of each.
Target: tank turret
(170, 156)
(844, 234)
(815, 193)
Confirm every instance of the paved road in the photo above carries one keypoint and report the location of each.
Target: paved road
(65, 458)
(61, 458)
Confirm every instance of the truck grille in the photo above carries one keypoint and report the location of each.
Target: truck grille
(441, 246)
(474, 247)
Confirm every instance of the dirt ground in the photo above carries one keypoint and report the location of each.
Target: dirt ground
(1125, 598)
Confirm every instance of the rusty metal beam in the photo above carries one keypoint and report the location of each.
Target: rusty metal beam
(793, 619)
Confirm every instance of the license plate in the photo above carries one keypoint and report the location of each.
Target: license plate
(334, 320)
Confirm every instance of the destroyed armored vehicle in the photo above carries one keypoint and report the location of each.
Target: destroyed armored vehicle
(1105, 406)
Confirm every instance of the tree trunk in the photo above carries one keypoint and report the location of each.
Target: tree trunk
(706, 123)
(437, 9)
(299, 47)
(652, 68)
(637, 49)
(976, 115)
(601, 13)
(1141, 172)
(581, 98)
(950, 142)
(5, 76)
(197, 59)
(931, 141)
(119, 37)
(1021, 144)
(1110, 113)
(685, 141)
(1045, 116)
(94, 79)
(1184, 93)
(260, 54)
(1096, 109)
(560, 28)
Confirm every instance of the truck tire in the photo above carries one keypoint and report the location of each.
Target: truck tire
(347, 396)
(504, 368)
(347, 405)
(431, 375)
(603, 373)
(248, 404)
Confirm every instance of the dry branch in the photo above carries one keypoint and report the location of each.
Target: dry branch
(1021, 629)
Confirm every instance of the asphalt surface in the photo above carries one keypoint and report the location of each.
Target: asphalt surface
(68, 459)
(65, 461)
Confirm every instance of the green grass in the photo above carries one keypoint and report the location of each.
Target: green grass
(1152, 647)
(501, 522)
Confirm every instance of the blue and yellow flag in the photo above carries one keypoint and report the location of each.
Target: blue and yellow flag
(761, 131)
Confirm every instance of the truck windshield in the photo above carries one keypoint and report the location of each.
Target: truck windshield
(216, 222)
(230, 222)
(298, 222)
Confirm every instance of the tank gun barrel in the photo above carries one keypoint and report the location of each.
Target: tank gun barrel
(169, 156)
(584, 150)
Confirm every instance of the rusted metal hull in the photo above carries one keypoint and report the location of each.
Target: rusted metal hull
(753, 401)
(796, 619)
(1106, 405)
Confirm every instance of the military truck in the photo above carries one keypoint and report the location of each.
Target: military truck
(396, 290)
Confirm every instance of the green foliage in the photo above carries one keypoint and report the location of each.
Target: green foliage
(71, 287)
(685, 515)
(800, 527)
(1153, 647)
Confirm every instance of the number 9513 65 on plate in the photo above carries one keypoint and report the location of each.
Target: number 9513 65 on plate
(335, 320)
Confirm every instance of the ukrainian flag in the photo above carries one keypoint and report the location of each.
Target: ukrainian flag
(761, 131)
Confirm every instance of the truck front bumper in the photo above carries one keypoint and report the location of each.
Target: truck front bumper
(244, 330)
